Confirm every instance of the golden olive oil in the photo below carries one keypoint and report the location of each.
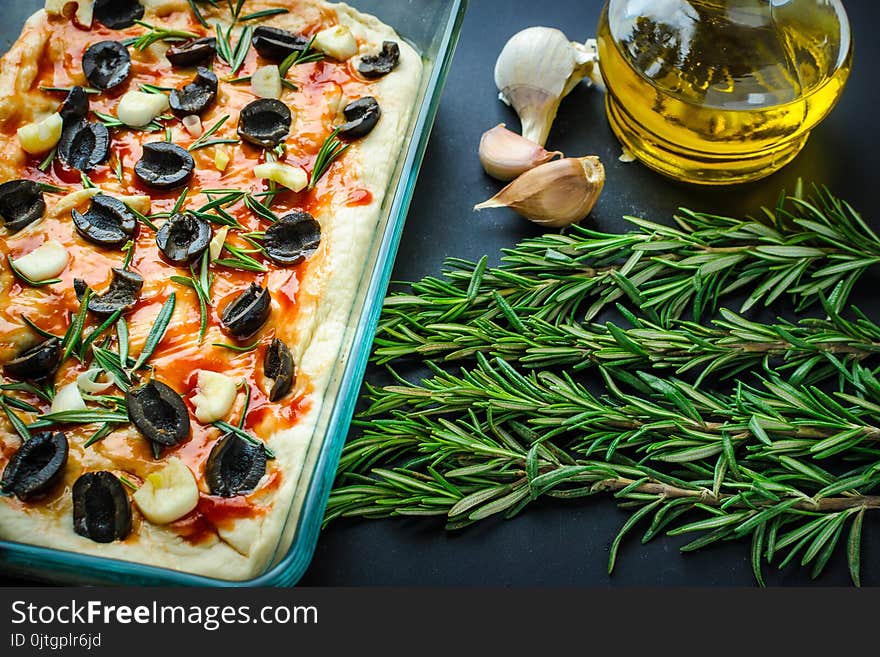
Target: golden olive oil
(716, 92)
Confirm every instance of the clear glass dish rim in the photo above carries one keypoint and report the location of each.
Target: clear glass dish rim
(43, 562)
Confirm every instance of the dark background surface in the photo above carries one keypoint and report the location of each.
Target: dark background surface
(567, 544)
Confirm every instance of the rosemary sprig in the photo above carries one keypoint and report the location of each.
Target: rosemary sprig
(112, 122)
(66, 90)
(240, 260)
(47, 161)
(20, 427)
(235, 347)
(157, 332)
(205, 139)
(265, 13)
(30, 388)
(305, 56)
(96, 333)
(233, 55)
(804, 249)
(331, 149)
(79, 417)
(225, 427)
(155, 34)
(201, 284)
(73, 335)
(259, 208)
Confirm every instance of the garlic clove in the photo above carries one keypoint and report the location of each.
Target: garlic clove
(168, 494)
(294, 178)
(536, 69)
(266, 82)
(337, 42)
(221, 158)
(505, 155)
(214, 397)
(554, 194)
(45, 262)
(217, 242)
(41, 136)
(89, 382)
(138, 108)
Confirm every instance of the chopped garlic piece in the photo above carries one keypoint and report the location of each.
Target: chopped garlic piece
(137, 108)
(266, 82)
(215, 397)
(221, 158)
(84, 9)
(217, 242)
(45, 262)
(168, 494)
(337, 42)
(294, 178)
(68, 398)
(41, 136)
(193, 125)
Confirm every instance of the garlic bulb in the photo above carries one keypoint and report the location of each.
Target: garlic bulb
(505, 155)
(537, 68)
(554, 194)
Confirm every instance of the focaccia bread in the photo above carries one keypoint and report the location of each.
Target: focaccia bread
(172, 314)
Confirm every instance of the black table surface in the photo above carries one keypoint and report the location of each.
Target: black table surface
(556, 544)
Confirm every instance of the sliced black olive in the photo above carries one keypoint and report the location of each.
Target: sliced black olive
(107, 223)
(235, 466)
(375, 66)
(247, 313)
(158, 412)
(278, 366)
(275, 44)
(36, 466)
(264, 122)
(84, 145)
(106, 64)
(164, 165)
(293, 238)
(184, 238)
(36, 363)
(21, 204)
(101, 508)
(75, 106)
(197, 96)
(122, 293)
(192, 52)
(118, 14)
(362, 116)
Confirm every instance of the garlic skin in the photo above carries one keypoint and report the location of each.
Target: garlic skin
(506, 155)
(68, 398)
(555, 194)
(90, 381)
(537, 68)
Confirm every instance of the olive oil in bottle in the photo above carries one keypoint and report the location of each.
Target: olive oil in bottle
(715, 91)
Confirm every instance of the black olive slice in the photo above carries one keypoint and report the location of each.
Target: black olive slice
(158, 412)
(75, 106)
(293, 238)
(122, 293)
(21, 204)
(106, 64)
(362, 116)
(36, 363)
(36, 466)
(108, 222)
(197, 96)
(247, 313)
(192, 52)
(278, 366)
(118, 14)
(275, 44)
(184, 238)
(84, 145)
(164, 165)
(264, 122)
(234, 466)
(382, 63)
(101, 508)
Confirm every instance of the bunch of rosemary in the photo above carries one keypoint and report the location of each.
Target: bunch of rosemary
(782, 448)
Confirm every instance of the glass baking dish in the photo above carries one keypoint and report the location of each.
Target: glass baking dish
(432, 27)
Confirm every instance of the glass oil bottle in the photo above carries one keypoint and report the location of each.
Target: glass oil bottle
(721, 91)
